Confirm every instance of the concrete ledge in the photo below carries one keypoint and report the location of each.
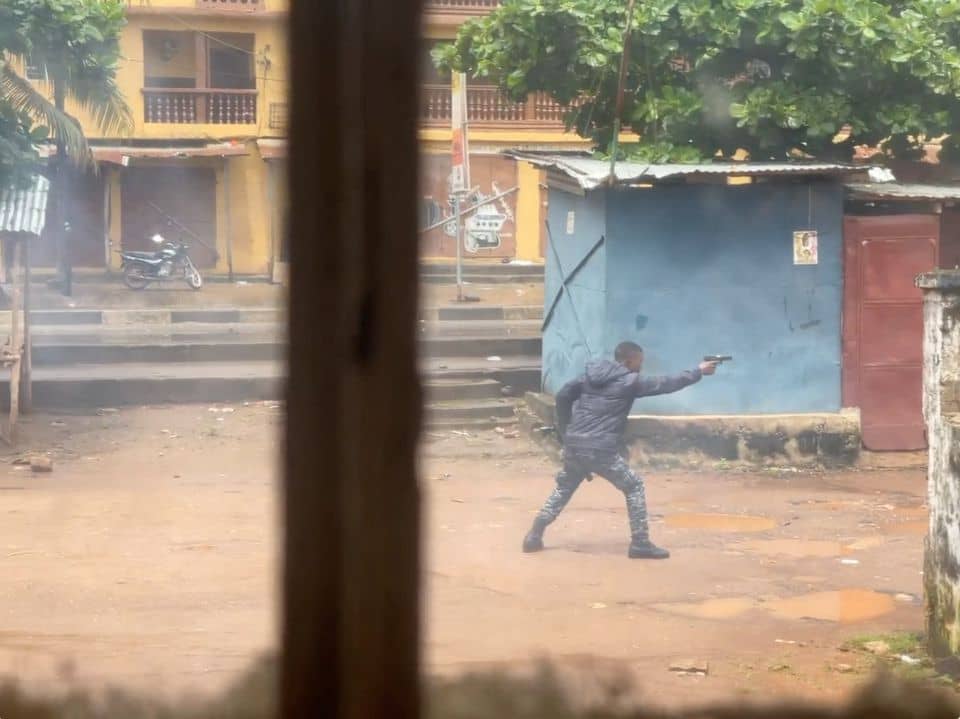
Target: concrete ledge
(495, 312)
(65, 317)
(136, 317)
(150, 316)
(939, 280)
(54, 394)
(505, 346)
(828, 439)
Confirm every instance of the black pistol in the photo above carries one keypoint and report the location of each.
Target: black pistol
(718, 359)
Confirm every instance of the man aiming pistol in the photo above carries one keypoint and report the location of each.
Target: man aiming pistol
(592, 413)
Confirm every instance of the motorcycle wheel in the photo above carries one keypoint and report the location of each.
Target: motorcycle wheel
(194, 279)
(135, 279)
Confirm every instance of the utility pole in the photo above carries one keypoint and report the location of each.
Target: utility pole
(460, 164)
(58, 192)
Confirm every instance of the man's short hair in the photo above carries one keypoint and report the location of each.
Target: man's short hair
(626, 350)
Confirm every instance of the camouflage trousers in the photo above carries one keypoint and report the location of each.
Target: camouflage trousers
(579, 465)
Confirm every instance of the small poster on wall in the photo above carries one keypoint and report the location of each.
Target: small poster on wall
(805, 247)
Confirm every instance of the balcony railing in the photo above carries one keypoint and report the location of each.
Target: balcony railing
(486, 105)
(239, 5)
(198, 107)
(469, 6)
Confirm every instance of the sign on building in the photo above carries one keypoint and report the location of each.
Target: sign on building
(483, 229)
(460, 153)
(805, 247)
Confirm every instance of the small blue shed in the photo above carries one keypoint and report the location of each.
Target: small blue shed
(688, 260)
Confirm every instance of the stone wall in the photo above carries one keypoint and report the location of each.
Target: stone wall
(822, 439)
(941, 408)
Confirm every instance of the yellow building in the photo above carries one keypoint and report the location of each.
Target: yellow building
(496, 124)
(206, 84)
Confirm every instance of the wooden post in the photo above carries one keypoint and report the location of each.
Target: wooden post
(26, 365)
(15, 348)
(351, 555)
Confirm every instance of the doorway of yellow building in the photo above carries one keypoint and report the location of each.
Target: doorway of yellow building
(186, 194)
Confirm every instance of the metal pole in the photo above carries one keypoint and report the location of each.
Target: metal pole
(16, 338)
(274, 250)
(229, 225)
(26, 364)
(107, 190)
(621, 79)
(459, 240)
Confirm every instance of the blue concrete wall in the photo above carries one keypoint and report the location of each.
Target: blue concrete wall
(702, 269)
(571, 337)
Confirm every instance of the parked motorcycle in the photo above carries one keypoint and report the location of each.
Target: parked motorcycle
(169, 262)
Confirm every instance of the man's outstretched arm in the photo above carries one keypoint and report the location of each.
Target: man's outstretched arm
(651, 386)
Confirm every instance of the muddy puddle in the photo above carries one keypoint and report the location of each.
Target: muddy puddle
(801, 548)
(845, 606)
(720, 608)
(720, 522)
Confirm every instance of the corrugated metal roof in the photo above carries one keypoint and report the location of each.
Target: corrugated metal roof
(903, 191)
(25, 210)
(594, 173)
(272, 148)
(116, 153)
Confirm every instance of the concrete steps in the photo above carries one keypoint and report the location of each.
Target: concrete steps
(447, 390)
(518, 373)
(94, 358)
(86, 359)
(482, 273)
(473, 425)
(471, 312)
(480, 328)
(476, 368)
(469, 410)
(467, 404)
(151, 317)
(116, 385)
(479, 347)
(70, 354)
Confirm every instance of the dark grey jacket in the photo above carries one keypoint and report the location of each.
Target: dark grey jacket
(592, 410)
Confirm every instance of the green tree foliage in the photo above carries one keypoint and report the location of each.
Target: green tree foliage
(19, 158)
(778, 78)
(75, 43)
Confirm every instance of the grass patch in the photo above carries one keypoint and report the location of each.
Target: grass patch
(910, 643)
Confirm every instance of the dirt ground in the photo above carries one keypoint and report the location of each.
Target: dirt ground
(148, 559)
(771, 575)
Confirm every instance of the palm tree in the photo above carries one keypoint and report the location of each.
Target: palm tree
(23, 97)
(75, 43)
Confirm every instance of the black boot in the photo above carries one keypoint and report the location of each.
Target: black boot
(645, 549)
(533, 542)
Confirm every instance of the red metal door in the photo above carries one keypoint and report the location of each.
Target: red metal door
(883, 325)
